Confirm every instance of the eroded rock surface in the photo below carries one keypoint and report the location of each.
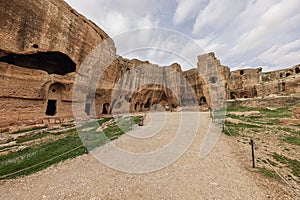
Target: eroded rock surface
(44, 48)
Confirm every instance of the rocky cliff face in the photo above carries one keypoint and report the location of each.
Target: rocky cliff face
(29, 27)
(44, 48)
(42, 45)
(137, 86)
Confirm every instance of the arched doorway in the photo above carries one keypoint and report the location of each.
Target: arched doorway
(203, 101)
(148, 95)
(147, 104)
(283, 86)
(233, 95)
(55, 93)
(136, 106)
(51, 107)
(105, 109)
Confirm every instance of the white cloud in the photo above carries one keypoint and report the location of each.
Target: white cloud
(280, 56)
(217, 15)
(245, 33)
(117, 16)
(269, 24)
(187, 9)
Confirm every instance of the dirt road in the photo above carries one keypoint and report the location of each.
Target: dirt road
(220, 175)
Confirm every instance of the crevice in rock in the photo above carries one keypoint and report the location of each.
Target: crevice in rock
(51, 62)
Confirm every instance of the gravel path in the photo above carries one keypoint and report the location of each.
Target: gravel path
(220, 175)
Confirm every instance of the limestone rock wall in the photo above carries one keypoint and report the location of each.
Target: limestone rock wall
(44, 50)
(243, 83)
(252, 83)
(215, 78)
(42, 45)
(30, 26)
(138, 86)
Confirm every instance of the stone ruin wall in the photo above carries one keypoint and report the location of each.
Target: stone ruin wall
(41, 54)
(252, 83)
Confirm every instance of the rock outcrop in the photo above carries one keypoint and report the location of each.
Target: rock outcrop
(42, 45)
(44, 48)
(29, 27)
(296, 113)
(252, 83)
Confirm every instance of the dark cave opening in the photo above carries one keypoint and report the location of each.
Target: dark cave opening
(147, 105)
(105, 109)
(51, 62)
(136, 106)
(203, 101)
(51, 108)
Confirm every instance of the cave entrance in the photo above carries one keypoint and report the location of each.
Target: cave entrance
(203, 101)
(105, 109)
(136, 106)
(283, 87)
(297, 70)
(233, 95)
(51, 107)
(51, 62)
(55, 93)
(147, 105)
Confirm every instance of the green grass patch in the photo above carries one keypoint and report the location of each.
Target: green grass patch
(93, 139)
(294, 165)
(240, 109)
(230, 132)
(271, 162)
(53, 152)
(242, 125)
(30, 138)
(289, 130)
(277, 113)
(16, 161)
(72, 131)
(103, 120)
(295, 140)
(268, 173)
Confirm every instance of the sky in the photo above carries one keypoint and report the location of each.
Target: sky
(242, 33)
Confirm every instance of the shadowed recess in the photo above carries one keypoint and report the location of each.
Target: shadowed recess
(51, 62)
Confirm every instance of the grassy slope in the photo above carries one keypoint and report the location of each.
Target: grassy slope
(69, 146)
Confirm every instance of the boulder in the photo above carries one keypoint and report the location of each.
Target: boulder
(246, 114)
(233, 121)
(288, 121)
(296, 113)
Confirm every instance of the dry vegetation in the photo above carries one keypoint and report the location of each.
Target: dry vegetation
(277, 146)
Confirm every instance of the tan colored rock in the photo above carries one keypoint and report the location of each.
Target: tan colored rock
(233, 121)
(296, 113)
(288, 121)
(31, 26)
(246, 114)
(41, 53)
(42, 45)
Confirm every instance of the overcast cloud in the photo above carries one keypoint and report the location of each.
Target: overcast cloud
(242, 33)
